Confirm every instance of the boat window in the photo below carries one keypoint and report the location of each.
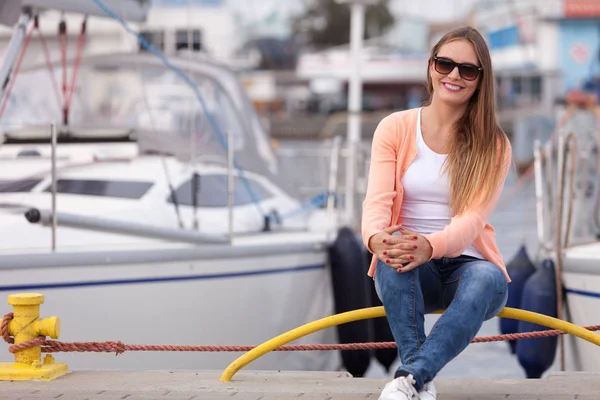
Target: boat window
(182, 38)
(156, 38)
(122, 189)
(212, 192)
(21, 185)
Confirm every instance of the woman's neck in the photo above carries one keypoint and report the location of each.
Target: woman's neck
(443, 117)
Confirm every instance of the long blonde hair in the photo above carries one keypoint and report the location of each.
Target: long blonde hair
(478, 142)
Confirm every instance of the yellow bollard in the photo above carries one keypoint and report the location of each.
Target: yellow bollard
(26, 325)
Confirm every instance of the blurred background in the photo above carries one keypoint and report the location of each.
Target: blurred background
(293, 56)
(293, 61)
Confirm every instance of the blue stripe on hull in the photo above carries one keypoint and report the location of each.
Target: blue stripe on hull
(583, 293)
(158, 279)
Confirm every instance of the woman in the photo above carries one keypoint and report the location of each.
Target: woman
(436, 175)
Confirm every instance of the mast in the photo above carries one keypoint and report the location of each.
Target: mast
(357, 29)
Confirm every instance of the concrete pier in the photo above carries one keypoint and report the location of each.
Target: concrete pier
(253, 385)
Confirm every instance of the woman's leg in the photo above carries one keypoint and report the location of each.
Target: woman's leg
(480, 292)
(406, 297)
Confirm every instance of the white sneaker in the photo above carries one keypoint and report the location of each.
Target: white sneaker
(401, 388)
(428, 392)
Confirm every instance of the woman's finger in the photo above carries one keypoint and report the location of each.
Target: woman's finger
(395, 253)
(399, 261)
(408, 267)
(397, 239)
(408, 245)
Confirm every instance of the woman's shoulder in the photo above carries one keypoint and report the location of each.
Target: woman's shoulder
(402, 117)
(399, 121)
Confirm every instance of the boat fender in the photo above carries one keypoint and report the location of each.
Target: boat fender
(381, 328)
(520, 268)
(539, 295)
(350, 290)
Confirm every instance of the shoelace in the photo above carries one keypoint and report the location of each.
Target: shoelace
(406, 386)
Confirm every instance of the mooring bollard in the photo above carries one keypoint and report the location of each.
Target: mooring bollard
(27, 325)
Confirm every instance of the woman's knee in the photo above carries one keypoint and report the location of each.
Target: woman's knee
(487, 276)
(388, 280)
(487, 282)
(382, 276)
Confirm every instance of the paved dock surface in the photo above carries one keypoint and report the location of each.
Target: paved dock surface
(286, 385)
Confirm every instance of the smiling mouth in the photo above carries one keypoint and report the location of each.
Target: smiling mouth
(452, 88)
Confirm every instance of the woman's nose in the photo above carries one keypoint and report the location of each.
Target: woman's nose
(454, 74)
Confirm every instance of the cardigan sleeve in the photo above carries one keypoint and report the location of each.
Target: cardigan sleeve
(381, 188)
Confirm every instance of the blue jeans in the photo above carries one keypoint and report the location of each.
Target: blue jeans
(471, 290)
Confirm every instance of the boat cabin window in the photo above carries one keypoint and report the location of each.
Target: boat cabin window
(21, 185)
(212, 192)
(154, 37)
(88, 187)
(182, 40)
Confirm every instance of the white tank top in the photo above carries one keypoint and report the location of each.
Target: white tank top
(425, 206)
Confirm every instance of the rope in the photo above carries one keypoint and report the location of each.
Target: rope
(316, 201)
(44, 44)
(63, 41)
(79, 53)
(52, 346)
(4, 328)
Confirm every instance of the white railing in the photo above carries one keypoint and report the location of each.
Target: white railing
(320, 168)
(567, 185)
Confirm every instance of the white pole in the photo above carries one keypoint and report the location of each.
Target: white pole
(357, 28)
(53, 139)
(192, 123)
(230, 183)
(539, 198)
(333, 183)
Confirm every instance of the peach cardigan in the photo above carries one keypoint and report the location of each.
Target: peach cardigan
(393, 150)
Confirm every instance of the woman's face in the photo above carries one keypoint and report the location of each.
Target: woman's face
(448, 84)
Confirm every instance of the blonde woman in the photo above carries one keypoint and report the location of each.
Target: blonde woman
(436, 175)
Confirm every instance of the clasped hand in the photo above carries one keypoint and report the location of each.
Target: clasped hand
(403, 252)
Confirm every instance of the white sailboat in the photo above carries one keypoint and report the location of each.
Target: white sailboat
(179, 231)
(568, 198)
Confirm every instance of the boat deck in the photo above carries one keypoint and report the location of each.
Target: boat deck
(249, 385)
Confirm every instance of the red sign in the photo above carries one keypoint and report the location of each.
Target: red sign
(581, 8)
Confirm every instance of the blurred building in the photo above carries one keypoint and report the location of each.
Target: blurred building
(393, 71)
(206, 27)
(211, 28)
(251, 42)
(103, 35)
(540, 50)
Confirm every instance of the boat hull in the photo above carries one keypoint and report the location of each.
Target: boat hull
(581, 279)
(225, 300)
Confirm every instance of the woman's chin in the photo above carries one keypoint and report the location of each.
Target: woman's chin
(452, 99)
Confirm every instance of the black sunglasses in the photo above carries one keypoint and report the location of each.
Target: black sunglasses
(467, 71)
